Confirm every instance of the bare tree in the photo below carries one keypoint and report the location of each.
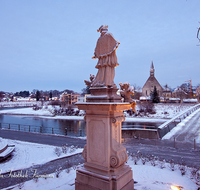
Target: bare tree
(198, 34)
(137, 91)
(1, 95)
(198, 92)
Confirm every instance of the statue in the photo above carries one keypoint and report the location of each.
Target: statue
(126, 92)
(105, 157)
(89, 83)
(107, 59)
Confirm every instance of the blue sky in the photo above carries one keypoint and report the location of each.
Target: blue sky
(48, 44)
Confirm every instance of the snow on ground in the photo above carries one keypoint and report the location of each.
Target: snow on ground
(28, 154)
(167, 111)
(148, 177)
(19, 104)
(26, 111)
(154, 178)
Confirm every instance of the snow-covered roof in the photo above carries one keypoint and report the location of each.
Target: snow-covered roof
(190, 100)
(145, 98)
(174, 99)
(179, 90)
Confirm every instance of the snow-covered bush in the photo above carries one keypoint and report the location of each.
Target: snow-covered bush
(57, 151)
(172, 165)
(36, 107)
(58, 171)
(145, 108)
(65, 149)
(20, 185)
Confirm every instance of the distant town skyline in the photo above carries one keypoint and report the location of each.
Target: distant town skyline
(48, 45)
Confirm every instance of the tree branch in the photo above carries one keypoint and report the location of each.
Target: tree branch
(198, 33)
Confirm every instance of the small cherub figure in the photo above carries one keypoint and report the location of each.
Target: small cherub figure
(126, 92)
(89, 83)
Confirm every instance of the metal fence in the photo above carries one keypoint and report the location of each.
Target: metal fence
(41, 129)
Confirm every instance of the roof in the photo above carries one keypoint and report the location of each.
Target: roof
(152, 79)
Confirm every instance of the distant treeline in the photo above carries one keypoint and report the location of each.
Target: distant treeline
(22, 94)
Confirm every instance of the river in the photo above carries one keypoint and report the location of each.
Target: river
(58, 126)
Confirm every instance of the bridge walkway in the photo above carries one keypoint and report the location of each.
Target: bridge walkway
(189, 117)
(189, 131)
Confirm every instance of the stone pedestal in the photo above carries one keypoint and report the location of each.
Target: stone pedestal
(104, 155)
(103, 94)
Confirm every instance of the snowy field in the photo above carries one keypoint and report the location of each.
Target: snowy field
(167, 111)
(148, 177)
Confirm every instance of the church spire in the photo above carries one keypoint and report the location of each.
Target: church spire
(152, 70)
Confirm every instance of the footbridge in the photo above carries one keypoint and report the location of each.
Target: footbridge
(162, 130)
(170, 124)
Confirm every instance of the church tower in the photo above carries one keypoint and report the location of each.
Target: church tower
(152, 70)
(151, 83)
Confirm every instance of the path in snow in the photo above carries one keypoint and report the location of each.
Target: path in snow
(43, 169)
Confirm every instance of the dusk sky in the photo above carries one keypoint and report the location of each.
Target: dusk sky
(48, 44)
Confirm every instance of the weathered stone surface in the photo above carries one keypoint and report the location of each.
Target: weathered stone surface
(104, 155)
(105, 52)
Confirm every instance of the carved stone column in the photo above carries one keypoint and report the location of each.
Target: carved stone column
(104, 155)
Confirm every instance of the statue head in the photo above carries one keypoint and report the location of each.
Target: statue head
(103, 28)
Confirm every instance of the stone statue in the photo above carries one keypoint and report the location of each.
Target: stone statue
(126, 91)
(107, 59)
(105, 157)
(89, 83)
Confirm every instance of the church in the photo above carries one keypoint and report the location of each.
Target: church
(151, 83)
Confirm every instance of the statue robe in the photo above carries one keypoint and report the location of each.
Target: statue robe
(107, 61)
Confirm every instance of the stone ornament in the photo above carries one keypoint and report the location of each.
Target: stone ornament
(126, 92)
(118, 119)
(89, 83)
(105, 52)
(118, 159)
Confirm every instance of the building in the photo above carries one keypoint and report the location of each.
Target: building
(69, 98)
(151, 83)
(180, 93)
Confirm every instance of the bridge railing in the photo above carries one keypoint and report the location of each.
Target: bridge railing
(170, 124)
(45, 130)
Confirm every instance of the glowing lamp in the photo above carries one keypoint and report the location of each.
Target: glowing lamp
(175, 188)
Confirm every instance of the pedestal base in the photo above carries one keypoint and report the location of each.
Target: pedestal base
(118, 179)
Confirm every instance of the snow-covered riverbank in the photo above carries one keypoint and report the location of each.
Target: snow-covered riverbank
(163, 111)
(18, 104)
